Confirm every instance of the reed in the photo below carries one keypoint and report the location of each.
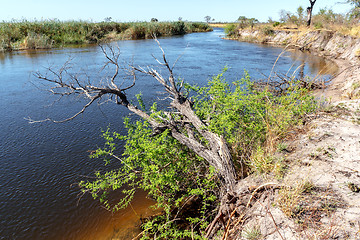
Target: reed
(24, 34)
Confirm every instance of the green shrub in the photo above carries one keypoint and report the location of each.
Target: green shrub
(168, 171)
(267, 31)
(37, 41)
(318, 25)
(275, 24)
(249, 118)
(230, 29)
(251, 121)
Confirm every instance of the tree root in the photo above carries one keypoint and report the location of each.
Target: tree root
(233, 210)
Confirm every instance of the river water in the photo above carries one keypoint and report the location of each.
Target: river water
(40, 164)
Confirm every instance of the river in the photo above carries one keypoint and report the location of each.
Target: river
(40, 164)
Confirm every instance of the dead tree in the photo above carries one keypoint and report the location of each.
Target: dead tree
(181, 121)
(309, 12)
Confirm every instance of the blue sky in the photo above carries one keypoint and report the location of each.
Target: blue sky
(144, 10)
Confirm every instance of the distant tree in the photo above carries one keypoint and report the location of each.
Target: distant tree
(245, 22)
(180, 19)
(108, 19)
(284, 16)
(207, 19)
(154, 20)
(355, 12)
(309, 12)
(241, 18)
(300, 12)
(252, 22)
(242, 21)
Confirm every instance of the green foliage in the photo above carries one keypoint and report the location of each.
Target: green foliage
(355, 11)
(252, 233)
(168, 171)
(249, 118)
(246, 22)
(230, 29)
(318, 25)
(174, 176)
(207, 19)
(300, 13)
(328, 16)
(275, 24)
(324, 18)
(267, 31)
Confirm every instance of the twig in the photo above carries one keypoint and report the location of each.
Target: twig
(272, 217)
(258, 189)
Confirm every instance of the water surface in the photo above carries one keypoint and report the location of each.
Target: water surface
(40, 164)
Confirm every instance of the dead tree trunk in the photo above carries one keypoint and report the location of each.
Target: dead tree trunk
(309, 12)
(216, 153)
(190, 130)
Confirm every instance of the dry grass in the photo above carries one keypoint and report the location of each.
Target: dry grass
(308, 204)
(218, 25)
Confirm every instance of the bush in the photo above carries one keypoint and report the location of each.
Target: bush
(318, 25)
(267, 31)
(275, 24)
(251, 120)
(170, 173)
(37, 41)
(230, 29)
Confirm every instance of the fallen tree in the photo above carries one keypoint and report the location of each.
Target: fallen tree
(181, 120)
(185, 156)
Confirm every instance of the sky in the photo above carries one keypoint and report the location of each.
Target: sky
(163, 10)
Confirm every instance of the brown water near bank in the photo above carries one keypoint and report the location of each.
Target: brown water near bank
(317, 65)
(40, 161)
(124, 224)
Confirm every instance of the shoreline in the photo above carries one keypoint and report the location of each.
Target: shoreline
(323, 154)
(48, 34)
(344, 51)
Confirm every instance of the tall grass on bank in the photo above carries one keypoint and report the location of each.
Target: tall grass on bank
(17, 35)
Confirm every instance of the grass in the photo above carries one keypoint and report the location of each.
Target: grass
(252, 233)
(307, 204)
(18, 35)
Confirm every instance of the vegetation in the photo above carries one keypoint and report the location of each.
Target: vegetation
(246, 22)
(355, 12)
(307, 204)
(25, 34)
(325, 19)
(242, 122)
(230, 29)
(186, 188)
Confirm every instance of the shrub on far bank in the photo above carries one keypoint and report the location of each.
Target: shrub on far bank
(230, 29)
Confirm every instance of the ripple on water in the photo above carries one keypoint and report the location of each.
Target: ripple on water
(41, 163)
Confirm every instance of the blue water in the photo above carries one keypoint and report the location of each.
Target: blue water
(40, 164)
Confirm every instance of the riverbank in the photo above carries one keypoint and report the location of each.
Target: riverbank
(23, 35)
(318, 197)
(343, 50)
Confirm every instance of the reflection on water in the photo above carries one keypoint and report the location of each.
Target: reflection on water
(316, 65)
(40, 163)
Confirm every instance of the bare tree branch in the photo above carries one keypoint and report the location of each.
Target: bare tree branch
(186, 127)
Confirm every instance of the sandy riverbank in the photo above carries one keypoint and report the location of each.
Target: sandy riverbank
(318, 198)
